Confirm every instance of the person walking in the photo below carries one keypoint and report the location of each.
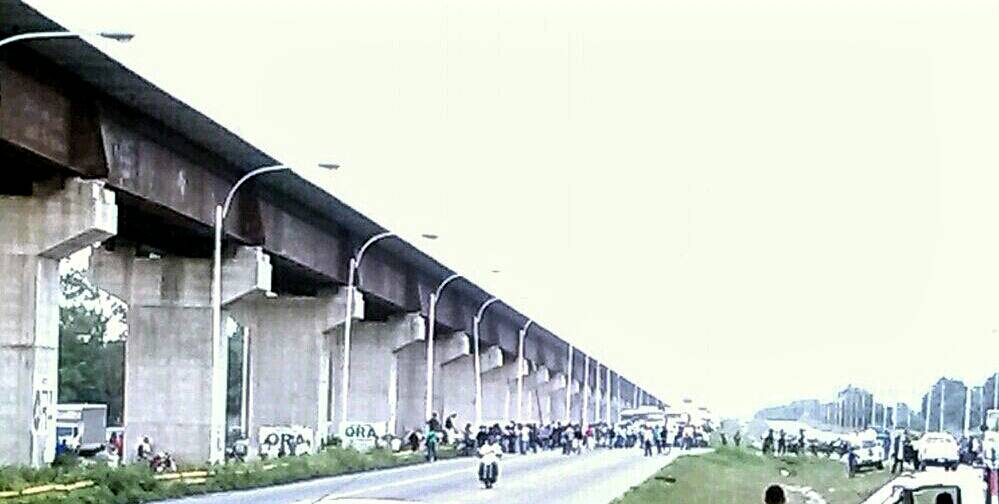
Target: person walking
(898, 455)
(647, 441)
(768, 442)
(431, 445)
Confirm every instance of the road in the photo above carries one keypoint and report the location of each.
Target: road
(596, 477)
(967, 478)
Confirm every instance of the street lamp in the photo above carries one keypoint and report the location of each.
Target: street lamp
(116, 36)
(610, 393)
(434, 298)
(215, 453)
(568, 387)
(478, 366)
(583, 421)
(355, 263)
(521, 370)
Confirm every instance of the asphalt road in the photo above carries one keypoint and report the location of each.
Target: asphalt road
(595, 477)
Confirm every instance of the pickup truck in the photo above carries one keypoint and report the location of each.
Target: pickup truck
(938, 448)
(870, 454)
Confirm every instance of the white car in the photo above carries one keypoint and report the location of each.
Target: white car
(870, 454)
(938, 448)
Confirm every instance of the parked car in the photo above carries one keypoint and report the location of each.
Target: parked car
(870, 454)
(938, 448)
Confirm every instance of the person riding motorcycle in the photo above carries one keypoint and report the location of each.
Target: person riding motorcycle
(489, 455)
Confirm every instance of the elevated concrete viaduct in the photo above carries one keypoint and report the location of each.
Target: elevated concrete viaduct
(97, 154)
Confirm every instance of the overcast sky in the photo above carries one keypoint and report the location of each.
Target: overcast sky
(744, 201)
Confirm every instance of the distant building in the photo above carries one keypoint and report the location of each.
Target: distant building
(944, 406)
(856, 405)
(796, 410)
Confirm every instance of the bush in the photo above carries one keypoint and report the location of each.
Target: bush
(136, 483)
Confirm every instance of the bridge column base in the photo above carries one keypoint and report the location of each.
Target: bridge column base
(172, 392)
(35, 233)
(499, 390)
(289, 371)
(454, 379)
(384, 388)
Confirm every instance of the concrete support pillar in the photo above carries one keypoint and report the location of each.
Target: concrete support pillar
(556, 397)
(576, 413)
(499, 386)
(537, 396)
(290, 348)
(169, 393)
(35, 233)
(387, 373)
(454, 381)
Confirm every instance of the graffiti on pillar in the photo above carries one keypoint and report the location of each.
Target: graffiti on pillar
(285, 440)
(363, 435)
(41, 420)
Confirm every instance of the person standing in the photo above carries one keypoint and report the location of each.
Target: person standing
(646, 440)
(901, 442)
(782, 443)
(737, 438)
(145, 450)
(482, 436)
(433, 423)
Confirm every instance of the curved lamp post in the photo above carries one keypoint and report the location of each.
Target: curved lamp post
(216, 451)
(568, 389)
(355, 263)
(478, 366)
(521, 370)
(116, 36)
(432, 324)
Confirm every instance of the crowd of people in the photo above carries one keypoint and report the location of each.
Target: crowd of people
(567, 438)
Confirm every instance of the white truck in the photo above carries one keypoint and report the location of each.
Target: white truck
(82, 427)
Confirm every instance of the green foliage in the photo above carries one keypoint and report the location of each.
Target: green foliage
(91, 365)
(732, 474)
(136, 483)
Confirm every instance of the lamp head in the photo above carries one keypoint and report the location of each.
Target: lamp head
(117, 36)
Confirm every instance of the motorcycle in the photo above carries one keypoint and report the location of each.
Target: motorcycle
(162, 462)
(488, 473)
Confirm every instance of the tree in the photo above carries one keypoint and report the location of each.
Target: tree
(91, 364)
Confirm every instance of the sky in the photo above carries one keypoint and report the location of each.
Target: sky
(743, 202)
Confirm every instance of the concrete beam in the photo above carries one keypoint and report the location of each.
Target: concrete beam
(451, 347)
(289, 367)
(60, 218)
(169, 352)
(490, 359)
(35, 232)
